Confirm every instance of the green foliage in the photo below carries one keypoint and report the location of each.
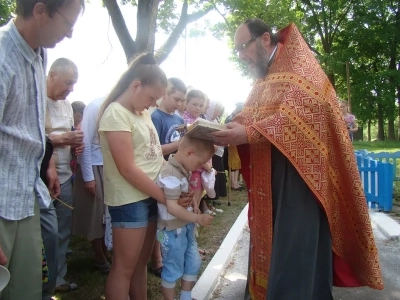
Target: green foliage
(7, 7)
(167, 17)
(369, 42)
(364, 33)
(378, 146)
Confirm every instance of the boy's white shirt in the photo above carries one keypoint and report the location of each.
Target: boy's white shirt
(208, 183)
(171, 182)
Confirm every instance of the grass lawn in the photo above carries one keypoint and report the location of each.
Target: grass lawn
(91, 282)
(378, 146)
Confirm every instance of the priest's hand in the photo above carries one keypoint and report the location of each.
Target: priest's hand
(235, 135)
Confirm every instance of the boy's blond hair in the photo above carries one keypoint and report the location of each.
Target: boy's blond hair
(197, 144)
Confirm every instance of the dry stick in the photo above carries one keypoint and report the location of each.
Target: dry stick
(229, 184)
(62, 202)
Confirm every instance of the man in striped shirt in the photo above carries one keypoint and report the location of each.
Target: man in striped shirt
(39, 24)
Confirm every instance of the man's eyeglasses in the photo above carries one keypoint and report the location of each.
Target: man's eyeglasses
(70, 24)
(242, 47)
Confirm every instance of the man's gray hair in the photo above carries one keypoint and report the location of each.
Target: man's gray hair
(63, 64)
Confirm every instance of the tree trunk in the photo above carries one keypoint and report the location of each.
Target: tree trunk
(398, 102)
(146, 25)
(147, 13)
(369, 130)
(381, 124)
(331, 78)
(391, 111)
(127, 43)
(391, 130)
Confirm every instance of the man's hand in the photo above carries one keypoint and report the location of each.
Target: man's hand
(91, 187)
(78, 149)
(235, 135)
(52, 179)
(185, 199)
(73, 137)
(3, 258)
(196, 210)
(204, 219)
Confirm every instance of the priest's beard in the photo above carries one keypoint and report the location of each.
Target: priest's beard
(261, 67)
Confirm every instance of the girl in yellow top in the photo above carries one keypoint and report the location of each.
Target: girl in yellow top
(132, 160)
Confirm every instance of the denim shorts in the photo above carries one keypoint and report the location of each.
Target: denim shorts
(180, 255)
(134, 215)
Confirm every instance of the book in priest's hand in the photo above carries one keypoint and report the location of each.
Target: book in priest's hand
(202, 129)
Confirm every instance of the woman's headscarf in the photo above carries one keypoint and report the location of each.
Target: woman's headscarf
(213, 104)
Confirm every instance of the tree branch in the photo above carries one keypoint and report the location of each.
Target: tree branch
(324, 17)
(318, 24)
(222, 15)
(125, 38)
(146, 25)
(199, 14)
(339, 22)
(313, 49)
(163, 52)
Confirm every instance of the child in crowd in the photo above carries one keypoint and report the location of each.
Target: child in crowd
(78, 107)
(350, 119)
(181, 109)
(132, 160)
(176, 224)
(164, 118)
(213, 113)
(195, 104)
(165, 121)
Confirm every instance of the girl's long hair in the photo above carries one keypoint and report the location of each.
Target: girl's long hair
(144, 68)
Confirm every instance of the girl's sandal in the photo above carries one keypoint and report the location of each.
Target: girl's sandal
(203, 251)
(104, 268)
(157, 272)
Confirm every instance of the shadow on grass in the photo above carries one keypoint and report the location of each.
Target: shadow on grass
(92, 282)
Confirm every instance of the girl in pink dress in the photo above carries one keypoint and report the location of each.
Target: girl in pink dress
(350, 119)
(195, 102)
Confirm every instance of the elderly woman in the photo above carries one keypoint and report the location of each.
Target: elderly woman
(233, 160)
(213, 113)
(89, 208)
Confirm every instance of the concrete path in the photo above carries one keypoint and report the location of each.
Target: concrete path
(232, 283)
(389, 258)
(232, 278)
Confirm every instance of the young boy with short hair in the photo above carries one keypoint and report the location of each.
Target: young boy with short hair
(181, 258)
(165, 119)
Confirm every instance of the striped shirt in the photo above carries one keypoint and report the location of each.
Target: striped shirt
(22, 119)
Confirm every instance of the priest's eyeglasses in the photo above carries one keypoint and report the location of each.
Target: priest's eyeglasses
(242, 47)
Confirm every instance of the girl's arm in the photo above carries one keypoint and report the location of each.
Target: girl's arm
(355, 126)
(121, 147)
